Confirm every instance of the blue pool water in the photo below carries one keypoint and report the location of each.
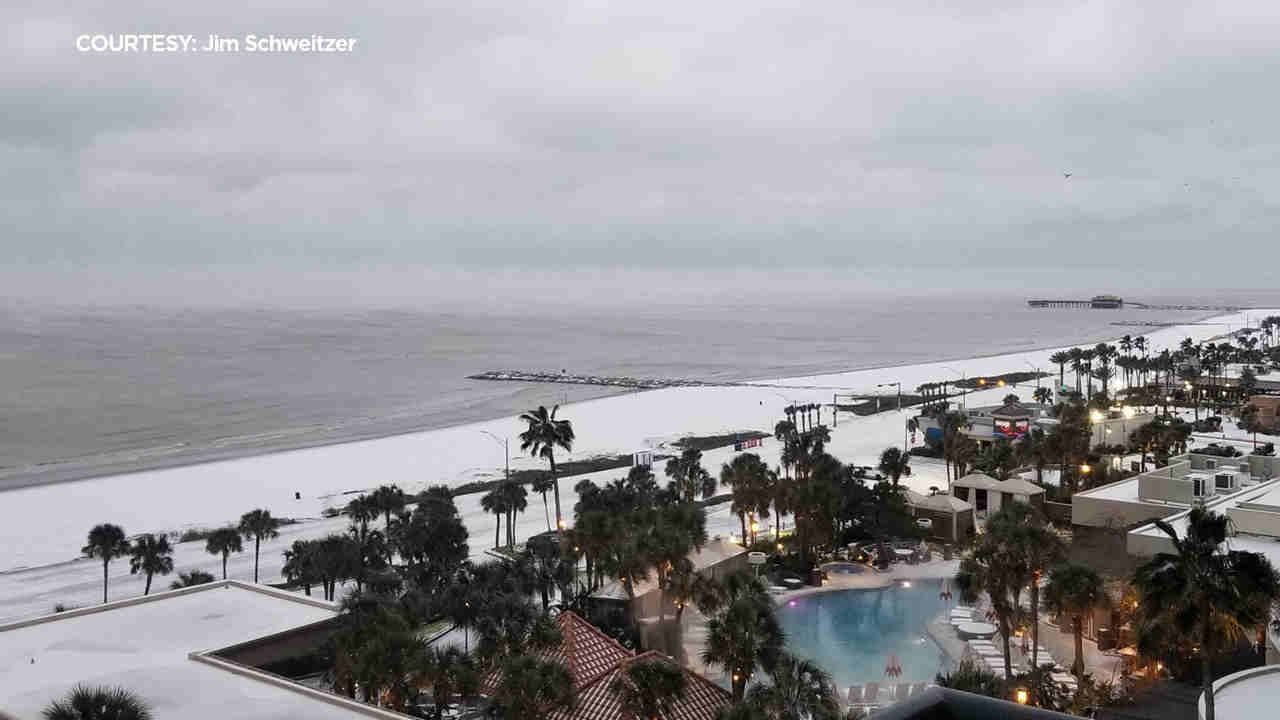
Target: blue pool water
(851, 633)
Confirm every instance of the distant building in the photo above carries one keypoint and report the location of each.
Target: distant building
(718, 558)
(1159, 493)
(1268, 411)
(987, 494)
(950, 518)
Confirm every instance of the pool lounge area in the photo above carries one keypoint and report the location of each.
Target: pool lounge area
(874, 641)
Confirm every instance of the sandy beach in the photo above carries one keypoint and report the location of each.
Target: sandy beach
(45, 525)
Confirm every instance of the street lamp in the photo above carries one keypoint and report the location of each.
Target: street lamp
(506, 449)
(963, 392)
(1033, 367)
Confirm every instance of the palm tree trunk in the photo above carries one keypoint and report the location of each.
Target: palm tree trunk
(1206, 666)
(545, 512)
(257, 542)
(1035, 622)
(1077, 629)
(104, 579)
(1004, 634)
(147, 590)
(742, 517)
(555, 481)
(497, 528)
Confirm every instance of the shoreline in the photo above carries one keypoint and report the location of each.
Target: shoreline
(63, 472)
(50, 520)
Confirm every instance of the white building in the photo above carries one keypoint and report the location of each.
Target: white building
(163, 648)
(987, 494)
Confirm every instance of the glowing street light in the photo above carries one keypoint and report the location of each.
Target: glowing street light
(1022, 696)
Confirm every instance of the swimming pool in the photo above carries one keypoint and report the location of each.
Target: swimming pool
(851, 633)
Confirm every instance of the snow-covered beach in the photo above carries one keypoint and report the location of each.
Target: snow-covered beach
(45, 526)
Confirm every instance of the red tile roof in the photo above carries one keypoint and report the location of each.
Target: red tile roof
(597, 701)
(585, 651)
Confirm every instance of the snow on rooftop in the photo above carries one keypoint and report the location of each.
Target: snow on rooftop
(144, 647)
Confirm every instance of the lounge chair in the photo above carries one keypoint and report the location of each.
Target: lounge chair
(872, 695)
(917, 688)
(855, 694)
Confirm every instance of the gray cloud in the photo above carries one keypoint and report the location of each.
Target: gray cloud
(655, 134)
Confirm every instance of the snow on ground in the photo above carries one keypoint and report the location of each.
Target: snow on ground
(47, 524)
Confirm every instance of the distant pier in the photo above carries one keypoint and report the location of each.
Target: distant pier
(1115, 302)
(1097, 302)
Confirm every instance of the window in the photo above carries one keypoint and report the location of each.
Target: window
(1197, 487)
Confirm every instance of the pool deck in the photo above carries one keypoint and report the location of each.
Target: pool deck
(872, 578)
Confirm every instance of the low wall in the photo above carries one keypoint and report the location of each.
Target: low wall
(1058, 512)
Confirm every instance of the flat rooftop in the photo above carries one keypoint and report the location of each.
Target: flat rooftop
(144, 646)
(1265, 495)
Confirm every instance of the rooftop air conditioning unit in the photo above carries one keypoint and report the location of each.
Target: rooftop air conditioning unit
(1210, 464)
(1224, 481)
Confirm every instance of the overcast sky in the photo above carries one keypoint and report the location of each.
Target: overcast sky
(648, 134)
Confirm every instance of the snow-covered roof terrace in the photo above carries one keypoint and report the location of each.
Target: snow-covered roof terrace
(155, 647)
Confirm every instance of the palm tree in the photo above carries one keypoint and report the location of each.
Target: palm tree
(191, 579)
(362, 510)
(800, 689)
(649, 688)
(107, 542)
(543, 484)
(495, 502)
(299, 564)
(258, 525)
(689, 479)
(544, 435)
(748, 476)
(151, 555)
(974, 677)
(1042, 395)
(389, 499)
(1023, 530)
(532, 688)
(1061, 358)
(894, 463)
(515, 499)
(449, 671)
(223, 541)
(996, 569)
(1077, 364)
(744, 636)
(1035, 448)
(1074, 591)
(98, 703)
(1205, 591)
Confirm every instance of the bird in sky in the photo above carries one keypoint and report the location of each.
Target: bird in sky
(1066, 175)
